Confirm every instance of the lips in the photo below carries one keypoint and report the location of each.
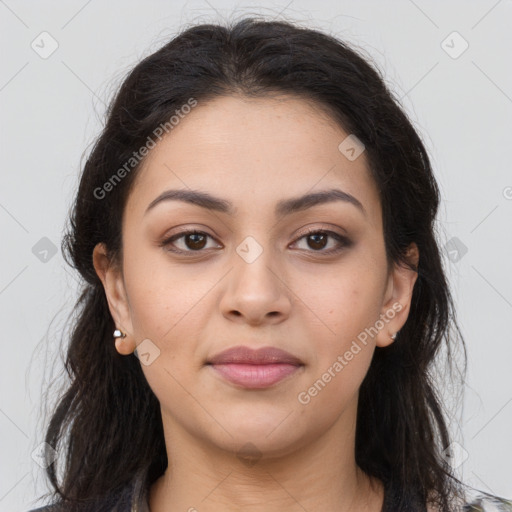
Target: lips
(255, 369)
(262, 356)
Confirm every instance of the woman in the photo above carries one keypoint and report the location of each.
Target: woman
(264, 296)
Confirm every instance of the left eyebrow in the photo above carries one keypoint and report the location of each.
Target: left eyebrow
(283, 207)
(288, 206)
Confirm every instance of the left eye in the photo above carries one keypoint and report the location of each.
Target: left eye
(317, 240)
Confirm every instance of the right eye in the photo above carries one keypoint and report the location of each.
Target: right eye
(193, 241)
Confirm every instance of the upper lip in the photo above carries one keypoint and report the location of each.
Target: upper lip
(247, 355)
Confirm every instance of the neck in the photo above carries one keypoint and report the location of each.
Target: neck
(319, 475)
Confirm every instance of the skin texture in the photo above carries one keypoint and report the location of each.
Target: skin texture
(254, 153)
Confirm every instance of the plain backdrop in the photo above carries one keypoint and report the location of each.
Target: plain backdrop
(449, 63)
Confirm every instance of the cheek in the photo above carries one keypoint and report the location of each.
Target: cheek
(167, 306)
(343, 353)
(344, 301)
(348, 303)
(162, 297)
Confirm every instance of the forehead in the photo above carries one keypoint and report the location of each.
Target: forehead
(254, 152)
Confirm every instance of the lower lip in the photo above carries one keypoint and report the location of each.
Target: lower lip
(255, 376)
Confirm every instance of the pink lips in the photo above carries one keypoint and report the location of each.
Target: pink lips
(255, 369)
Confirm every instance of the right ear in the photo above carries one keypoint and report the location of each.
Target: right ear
(113, 283)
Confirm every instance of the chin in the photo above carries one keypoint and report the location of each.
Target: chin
(267, 439)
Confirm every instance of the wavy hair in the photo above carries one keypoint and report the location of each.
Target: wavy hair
(108, 422)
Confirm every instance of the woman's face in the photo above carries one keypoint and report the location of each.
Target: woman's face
(253, 276)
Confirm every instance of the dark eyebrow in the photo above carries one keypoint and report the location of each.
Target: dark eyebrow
(283, 208)
(196, 197)
(306, 201)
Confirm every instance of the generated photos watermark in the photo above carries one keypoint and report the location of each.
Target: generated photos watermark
(304, 397)
(138, 156)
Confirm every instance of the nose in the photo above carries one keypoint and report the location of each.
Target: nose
(257, 291)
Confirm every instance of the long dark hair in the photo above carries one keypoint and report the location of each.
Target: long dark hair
(107, 423)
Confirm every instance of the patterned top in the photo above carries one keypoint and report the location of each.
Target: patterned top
(126, 501)
(479, 501)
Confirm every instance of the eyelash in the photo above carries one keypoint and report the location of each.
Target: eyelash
(342, 240)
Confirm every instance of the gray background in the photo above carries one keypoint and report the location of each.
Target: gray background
(51, 109)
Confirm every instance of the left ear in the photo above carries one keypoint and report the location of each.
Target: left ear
(398, 296)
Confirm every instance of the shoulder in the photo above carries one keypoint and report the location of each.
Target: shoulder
(111, 503)
(479, 501)
(106, 505)
(47, 508)
(474, 500)
(119, 500)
